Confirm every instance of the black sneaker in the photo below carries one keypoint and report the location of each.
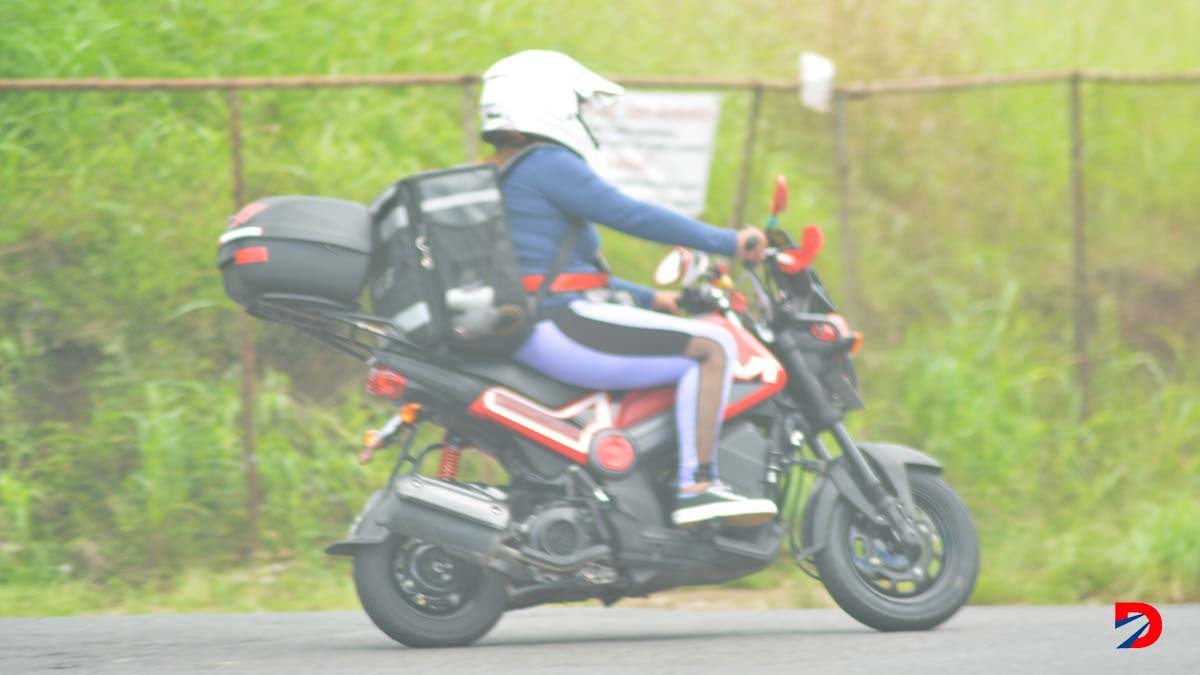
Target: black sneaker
(720, 501)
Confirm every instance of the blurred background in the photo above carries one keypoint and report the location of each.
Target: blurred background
(121, 451)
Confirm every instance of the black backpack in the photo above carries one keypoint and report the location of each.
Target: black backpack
(444, 271)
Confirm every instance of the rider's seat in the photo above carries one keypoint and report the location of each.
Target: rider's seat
(521, 379)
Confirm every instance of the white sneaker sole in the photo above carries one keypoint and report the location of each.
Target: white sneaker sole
(743, 513)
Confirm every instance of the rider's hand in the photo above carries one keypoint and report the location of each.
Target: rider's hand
(667, 301)
(751, 252)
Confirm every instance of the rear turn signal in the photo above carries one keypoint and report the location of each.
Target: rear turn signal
(386, 383)
(857, 343)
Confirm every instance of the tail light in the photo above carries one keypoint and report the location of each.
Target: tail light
(386, 383)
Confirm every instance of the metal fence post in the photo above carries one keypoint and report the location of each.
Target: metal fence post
(249, 388)
(1082, 302)
(739, 205)
(849, 247)
(470, 120)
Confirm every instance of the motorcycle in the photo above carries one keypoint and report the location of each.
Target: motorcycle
(585, 513)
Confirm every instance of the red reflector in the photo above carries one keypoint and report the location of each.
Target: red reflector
(253, 254)
(824, 332)
(614, 453)
(386, 383)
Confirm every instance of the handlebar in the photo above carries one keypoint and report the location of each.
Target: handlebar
(773, 254)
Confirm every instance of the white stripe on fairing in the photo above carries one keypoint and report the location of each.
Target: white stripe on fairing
(602, 420)
(460, 199)
(240, 233)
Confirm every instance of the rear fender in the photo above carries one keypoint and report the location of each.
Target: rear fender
(367, 529)
(890, 460)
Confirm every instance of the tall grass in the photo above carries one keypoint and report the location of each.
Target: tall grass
(120, 461)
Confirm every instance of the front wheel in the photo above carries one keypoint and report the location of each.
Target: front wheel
(890, 588)
(421, 596)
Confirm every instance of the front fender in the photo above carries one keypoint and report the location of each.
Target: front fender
(368, 528)
(893, 461)
(890, 460)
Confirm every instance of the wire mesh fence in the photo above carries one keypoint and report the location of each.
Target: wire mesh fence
(933, 207)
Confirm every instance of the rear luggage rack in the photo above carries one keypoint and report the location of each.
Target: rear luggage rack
(338, 325)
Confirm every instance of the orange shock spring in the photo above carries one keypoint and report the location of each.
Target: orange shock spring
(448, 469)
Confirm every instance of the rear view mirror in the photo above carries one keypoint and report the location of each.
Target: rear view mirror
(671, 268)
(680, 265)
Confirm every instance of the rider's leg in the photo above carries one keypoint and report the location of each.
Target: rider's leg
(617, 347)
(596, 355)
(697, 355)
(700, 405)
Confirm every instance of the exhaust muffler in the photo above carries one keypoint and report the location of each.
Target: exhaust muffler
(462, 521)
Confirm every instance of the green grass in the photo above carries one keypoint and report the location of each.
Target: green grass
(286, 585)
(120, 463)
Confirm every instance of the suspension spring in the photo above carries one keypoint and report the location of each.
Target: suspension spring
(448, 468)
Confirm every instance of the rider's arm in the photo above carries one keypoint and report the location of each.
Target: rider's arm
(573, 187)
(643, 296)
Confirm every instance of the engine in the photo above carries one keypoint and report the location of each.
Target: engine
(561, 537)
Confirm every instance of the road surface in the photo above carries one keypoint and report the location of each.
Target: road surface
(562, 640)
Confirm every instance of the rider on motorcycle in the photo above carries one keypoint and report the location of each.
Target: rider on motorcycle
(596, 331)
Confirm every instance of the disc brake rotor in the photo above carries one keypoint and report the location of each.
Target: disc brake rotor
(889, 569)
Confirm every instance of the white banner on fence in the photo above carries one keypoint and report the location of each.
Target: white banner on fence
(658, 146)
(816, 81)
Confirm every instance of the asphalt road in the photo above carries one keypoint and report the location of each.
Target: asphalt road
(559, 640)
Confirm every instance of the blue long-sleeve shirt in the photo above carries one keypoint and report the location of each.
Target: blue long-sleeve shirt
(552, 185)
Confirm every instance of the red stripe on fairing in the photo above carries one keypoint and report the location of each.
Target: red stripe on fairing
(519, 409)
(641, 404)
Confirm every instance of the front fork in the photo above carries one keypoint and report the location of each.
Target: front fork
(880, 506)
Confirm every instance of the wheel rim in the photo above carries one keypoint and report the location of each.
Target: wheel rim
(431, 580)
(892, 572)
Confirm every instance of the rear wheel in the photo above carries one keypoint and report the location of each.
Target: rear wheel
(421, 596)
(890, 588)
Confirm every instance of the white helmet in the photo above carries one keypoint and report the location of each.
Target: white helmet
(541, 93)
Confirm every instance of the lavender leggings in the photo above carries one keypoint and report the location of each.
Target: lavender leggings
(605, 346)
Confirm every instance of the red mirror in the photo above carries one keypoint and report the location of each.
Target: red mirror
(800, 258)
(780, 198)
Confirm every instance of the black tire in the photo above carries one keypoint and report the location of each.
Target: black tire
(482, 602)
(924, 608)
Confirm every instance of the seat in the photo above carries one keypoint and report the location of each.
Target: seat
(522, 379)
